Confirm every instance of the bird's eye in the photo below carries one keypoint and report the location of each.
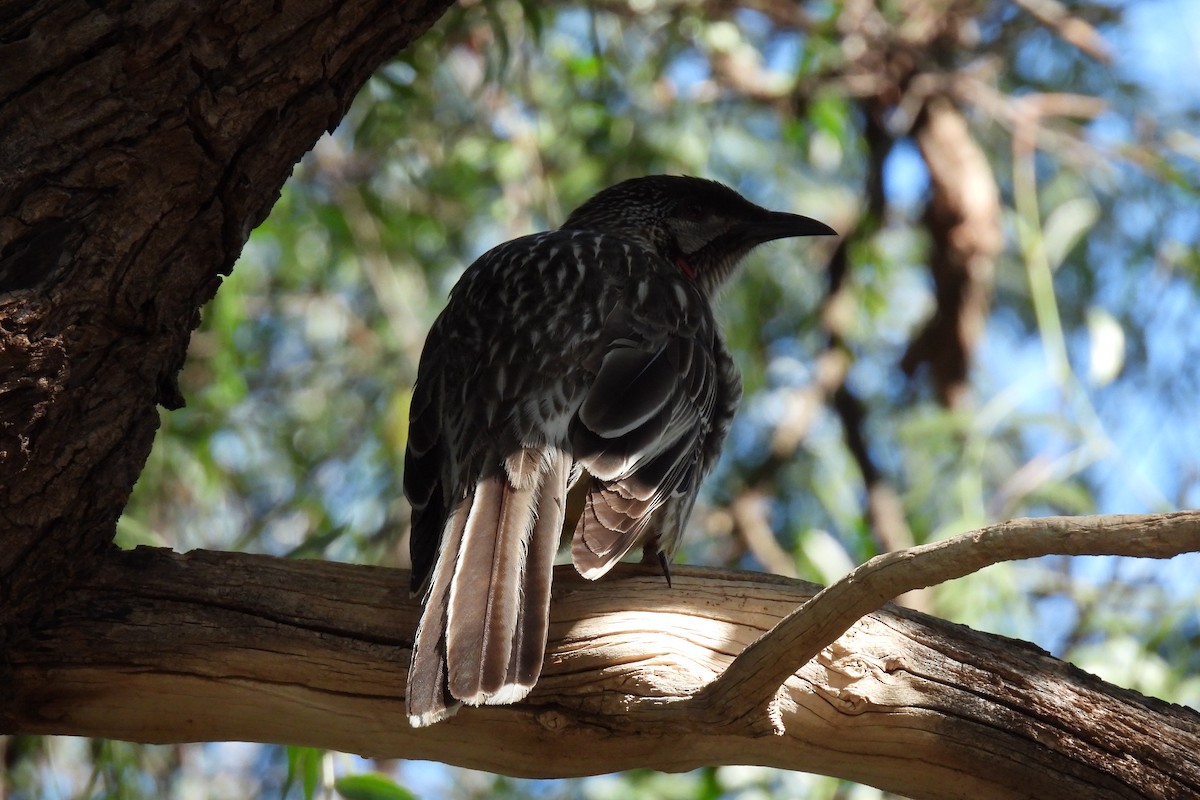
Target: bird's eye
(692, 211)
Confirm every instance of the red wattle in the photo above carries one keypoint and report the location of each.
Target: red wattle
(685, 267)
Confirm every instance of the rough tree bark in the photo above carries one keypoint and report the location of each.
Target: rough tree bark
(159, 647)
(139, 145)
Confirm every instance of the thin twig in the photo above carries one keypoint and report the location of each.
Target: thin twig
(1068, 27)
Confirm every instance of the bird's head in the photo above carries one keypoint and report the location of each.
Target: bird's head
(703, 227)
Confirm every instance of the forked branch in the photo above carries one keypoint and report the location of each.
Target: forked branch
(753, 679)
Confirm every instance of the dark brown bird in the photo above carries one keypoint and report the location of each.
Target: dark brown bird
(589, 353)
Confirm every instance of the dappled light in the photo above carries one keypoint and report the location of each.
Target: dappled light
(1006, 328)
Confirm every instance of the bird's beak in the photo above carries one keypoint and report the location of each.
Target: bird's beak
(781, 225)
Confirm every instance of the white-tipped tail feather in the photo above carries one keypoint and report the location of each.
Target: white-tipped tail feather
(483, 633)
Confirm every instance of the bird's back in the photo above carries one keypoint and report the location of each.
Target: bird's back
(512, 357)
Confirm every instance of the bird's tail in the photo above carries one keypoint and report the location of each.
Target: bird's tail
(482, 636)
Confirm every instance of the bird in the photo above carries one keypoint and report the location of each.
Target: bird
(585, 359)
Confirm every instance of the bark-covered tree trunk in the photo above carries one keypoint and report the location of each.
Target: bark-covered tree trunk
(140, 143)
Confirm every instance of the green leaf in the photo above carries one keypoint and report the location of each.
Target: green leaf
(304, 764)
(371, 786)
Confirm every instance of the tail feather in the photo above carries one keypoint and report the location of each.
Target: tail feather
(426, 697)
(482, 637)
(529, 647)
(485, 596)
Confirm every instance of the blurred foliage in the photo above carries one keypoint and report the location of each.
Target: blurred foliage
(508, 114)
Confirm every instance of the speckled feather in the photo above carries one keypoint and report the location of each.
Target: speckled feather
(587, 353)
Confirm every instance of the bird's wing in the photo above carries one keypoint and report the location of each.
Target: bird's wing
(640, 430)
(423, 460)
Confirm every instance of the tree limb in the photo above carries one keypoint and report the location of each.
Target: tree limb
(756, 675)
(160, 647)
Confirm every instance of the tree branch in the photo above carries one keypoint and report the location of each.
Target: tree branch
(1068, 27)
(159, 647)
(756, 675)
